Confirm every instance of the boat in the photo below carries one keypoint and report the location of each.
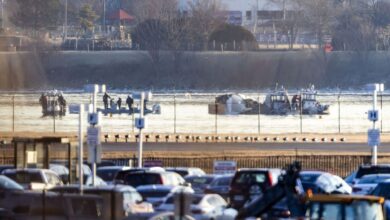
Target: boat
(276, 103)
(309, 103)
(53, 104)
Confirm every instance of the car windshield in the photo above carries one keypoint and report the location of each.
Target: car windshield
(8, 184)
(357, 210)
(139, 179)
(25, 177)
(249, 178)
(199, 181)
(107, 175)
(372, 170)
(372, 179)
(309, 178)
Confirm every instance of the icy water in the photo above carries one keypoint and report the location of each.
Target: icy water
(188, 113)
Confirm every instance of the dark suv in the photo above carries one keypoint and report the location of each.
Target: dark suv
(366, 170)
(250, 183)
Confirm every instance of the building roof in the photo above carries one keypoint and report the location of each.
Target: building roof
(120, 14)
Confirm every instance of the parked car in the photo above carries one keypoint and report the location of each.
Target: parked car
(61, 170)
(383, 190)
(108, 173)
(209, 206)
(6, 167)
(186, 171)
(88, 181)
(119, 201)
(367, 170)
(220, 185)
(155, 194)
(250, 183)
(199, 182)
(34, 179)
(30, 206)
(139, 178)
(309, 178)
(368, 182)
(7, 184)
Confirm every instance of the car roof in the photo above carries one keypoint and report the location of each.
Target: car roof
(313, 172)
(376, 175)
(258, 169)
(114, 168)
(115, 188)
(155, 187)
(206, 176)
(27, 170)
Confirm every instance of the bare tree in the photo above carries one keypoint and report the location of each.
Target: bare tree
(205, 17)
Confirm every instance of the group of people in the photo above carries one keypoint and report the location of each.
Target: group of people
(50, 102)
(108, 100)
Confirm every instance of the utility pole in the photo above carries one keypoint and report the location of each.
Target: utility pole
(2, 14)
(66, 21)
(104, 16)
(374, 116)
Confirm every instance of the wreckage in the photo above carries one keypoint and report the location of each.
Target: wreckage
(276, 102)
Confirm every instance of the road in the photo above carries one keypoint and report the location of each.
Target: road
(212, 147)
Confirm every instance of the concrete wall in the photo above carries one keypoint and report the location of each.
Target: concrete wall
(201, 70)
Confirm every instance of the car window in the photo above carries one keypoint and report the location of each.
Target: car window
(372, 179)
(107, 175)
(224, 182)
(52, 179)
(25, 177)
(138, 179)
(9, 184)
(154, 194)
(382, 190)
(250, 178)
(371, 170)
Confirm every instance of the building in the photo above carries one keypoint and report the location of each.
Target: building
(258, 16)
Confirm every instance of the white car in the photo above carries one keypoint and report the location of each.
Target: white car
(209, 206)
(34, 179)
(368, 182)
(155, 194)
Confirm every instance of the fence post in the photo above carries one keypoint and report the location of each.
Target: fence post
(54, 122)
(258, 118)
(339, 114)
(174, 114)
(300, 113)
(216, 118)
(381, 112)
(13, 113)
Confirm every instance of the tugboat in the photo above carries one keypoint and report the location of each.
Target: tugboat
(276, 103)
(53, 104)
(310, 105)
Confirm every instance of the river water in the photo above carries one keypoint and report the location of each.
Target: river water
(184, 112)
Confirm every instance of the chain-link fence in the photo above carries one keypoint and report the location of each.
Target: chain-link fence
(194, 113)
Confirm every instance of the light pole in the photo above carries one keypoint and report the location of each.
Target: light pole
(2, 14)
(104, 16)
(374, 116)
(66, 21)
